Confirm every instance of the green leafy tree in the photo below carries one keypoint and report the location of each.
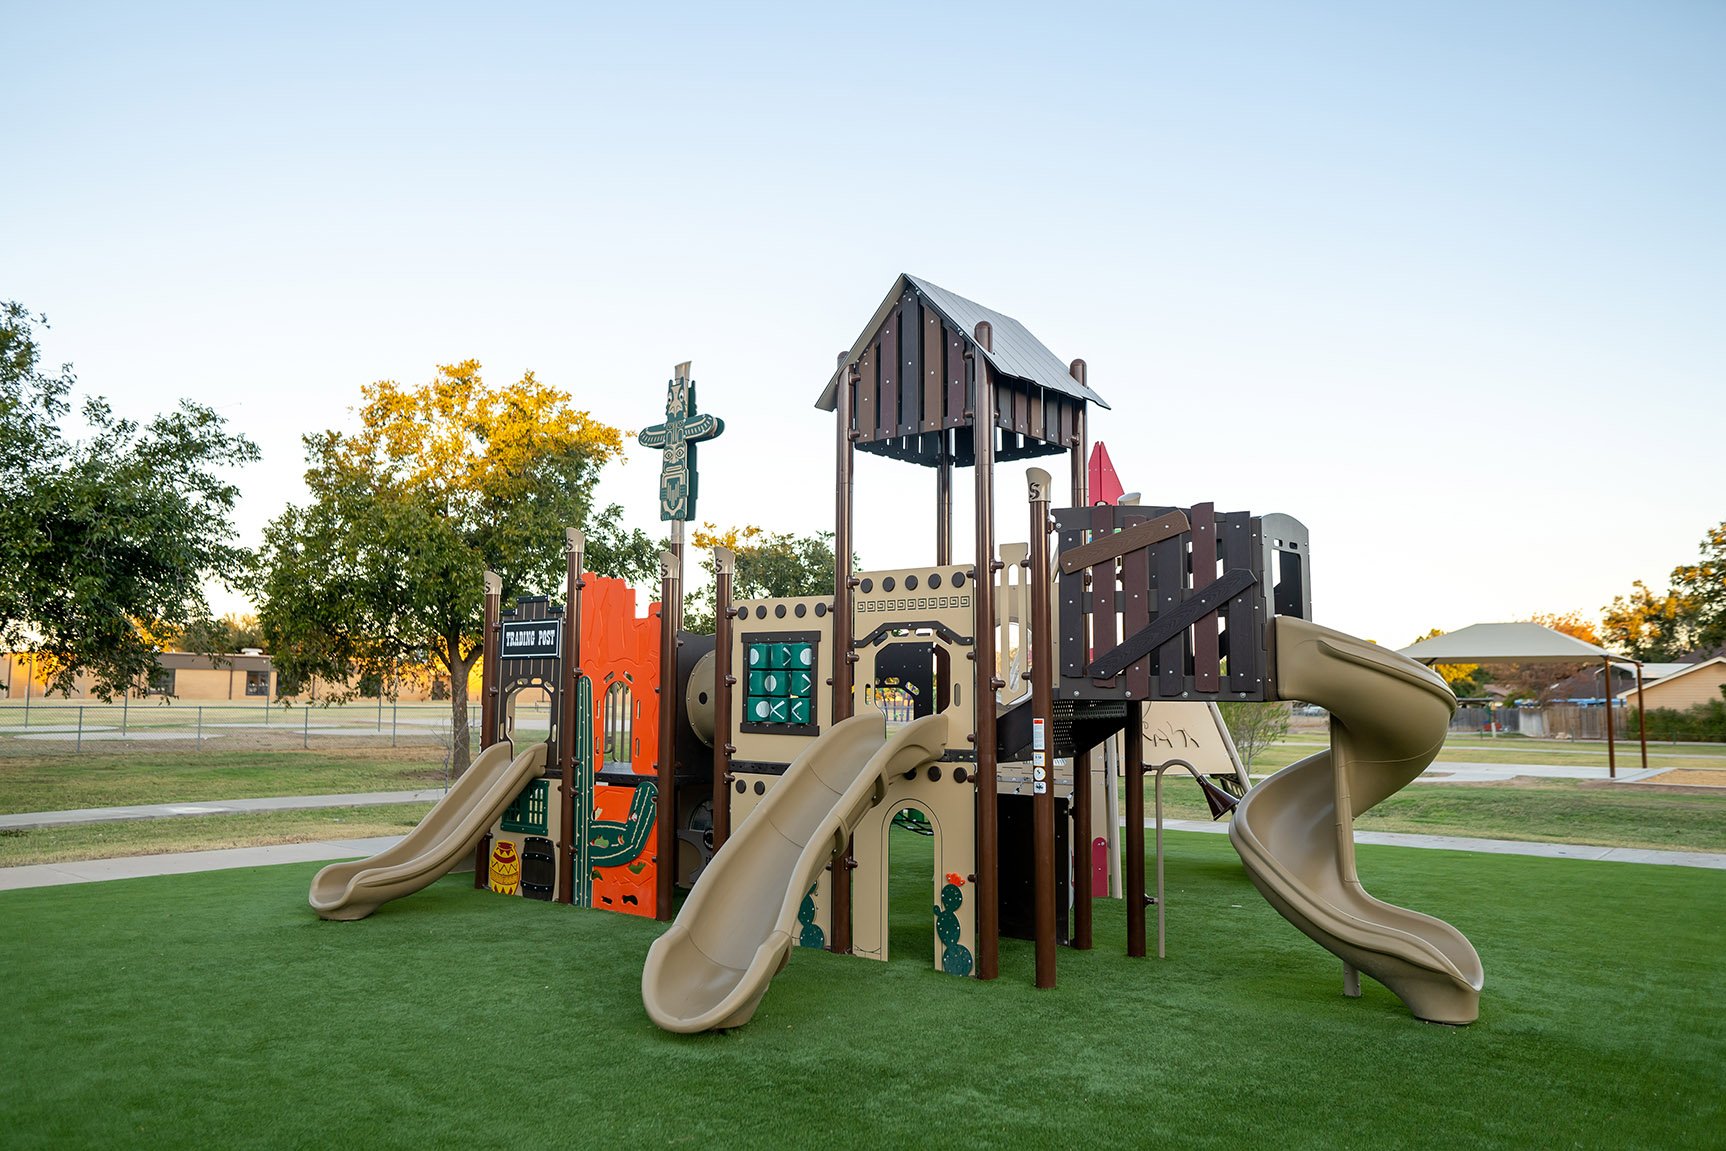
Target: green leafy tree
(384, 568)
(218, 637)
(769, 565)
(1651, 626)
(1702, 587)
(106, 541)
(1255, 726)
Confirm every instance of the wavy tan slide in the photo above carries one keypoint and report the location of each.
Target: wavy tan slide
(1295, 831)
(447, 834)
(736, 930)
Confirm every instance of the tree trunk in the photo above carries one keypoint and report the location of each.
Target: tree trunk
(461, 745)
(461, 749)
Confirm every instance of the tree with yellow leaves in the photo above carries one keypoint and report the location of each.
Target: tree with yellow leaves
(384, 568)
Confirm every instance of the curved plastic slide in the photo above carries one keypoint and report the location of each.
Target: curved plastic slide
(1295, 831)
(447, 834)
(736, 930)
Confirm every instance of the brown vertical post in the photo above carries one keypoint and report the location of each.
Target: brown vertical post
(569, 709)
(1135, 830)
(488, 661)
(665, 818)
(983, 681)
(1083, 818)
(944, 504)
(1611, 746)
(724, 564)
(1042, 653)
(1641, 716)
(488, 701)
(843, 656)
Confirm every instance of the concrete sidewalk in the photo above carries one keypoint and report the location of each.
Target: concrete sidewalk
(187, 862)
(1459, 771)
(217, 807)
(1496, 846)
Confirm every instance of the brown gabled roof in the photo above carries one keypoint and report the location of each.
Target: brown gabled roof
(1015, 351)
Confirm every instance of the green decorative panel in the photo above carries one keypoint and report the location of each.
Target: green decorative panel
(527, 812)
(779, 684)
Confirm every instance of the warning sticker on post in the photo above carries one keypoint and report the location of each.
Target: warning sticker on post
(1037, 743)
(1040, 788)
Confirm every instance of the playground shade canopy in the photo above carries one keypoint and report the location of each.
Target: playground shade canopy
(1507, 643)
(1528, 643)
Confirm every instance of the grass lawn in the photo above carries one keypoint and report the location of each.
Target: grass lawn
(1463, 748)
(19, 846)
(1548, 811)
(216, 1011)
(67, 782)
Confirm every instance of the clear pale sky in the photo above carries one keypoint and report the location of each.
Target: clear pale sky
(1444, 281)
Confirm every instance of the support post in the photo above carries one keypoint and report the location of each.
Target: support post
(1135, 774)
(843, 657)
(488, 701)
(944, 504)
(665, 819)
(1043, 725)
(1641, 716)
(724, 566)
(569, 708)
(488, 661)
(1083, 893)
(1611, 745)
(983, 681)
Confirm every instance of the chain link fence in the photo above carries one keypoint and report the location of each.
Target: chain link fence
(92, 727)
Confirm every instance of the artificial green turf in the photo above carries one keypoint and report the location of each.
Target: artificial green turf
(217, 1011)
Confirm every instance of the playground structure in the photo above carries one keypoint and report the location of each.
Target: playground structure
(1021, 688)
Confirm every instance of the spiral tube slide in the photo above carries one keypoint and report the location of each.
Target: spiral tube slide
(1295, 831)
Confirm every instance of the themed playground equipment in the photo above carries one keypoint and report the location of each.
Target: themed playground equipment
(1000, 702)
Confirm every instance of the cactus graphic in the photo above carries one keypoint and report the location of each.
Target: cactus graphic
(811, 935)
(955, 956)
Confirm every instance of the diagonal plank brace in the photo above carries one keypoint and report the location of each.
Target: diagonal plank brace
(1119, 543)
(1170, 624)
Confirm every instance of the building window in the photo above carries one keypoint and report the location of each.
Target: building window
(258, 683)
(162, 681)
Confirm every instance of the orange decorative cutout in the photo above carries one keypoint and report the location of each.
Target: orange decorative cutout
(631, 887)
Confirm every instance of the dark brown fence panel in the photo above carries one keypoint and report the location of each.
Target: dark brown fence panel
(887, 411)
(933, 381)
(955, 377)
(1179, 601)
(910, 365)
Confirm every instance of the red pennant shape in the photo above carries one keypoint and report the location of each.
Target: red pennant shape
(1103, 486)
